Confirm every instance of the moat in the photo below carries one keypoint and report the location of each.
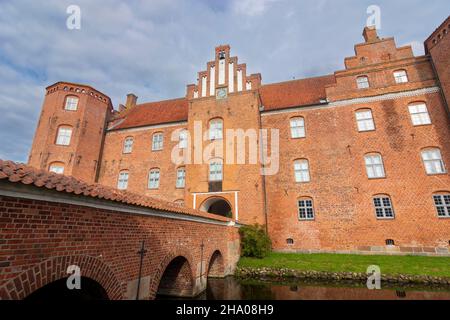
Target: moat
(232, 288)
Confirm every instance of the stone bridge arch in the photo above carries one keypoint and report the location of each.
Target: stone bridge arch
(54, 269)
(216, 265)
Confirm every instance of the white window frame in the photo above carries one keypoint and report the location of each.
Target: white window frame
(157, 141)
(122, 181)
(183, 139)
(305, 210)
(181, 177)
(71, 103)
(297, 127)
(362, 84)
(432, 161)
(301, 171)
(153, 179)
(128, 145)
(374, 166)
(400, 76)
(364, 120)
(419, 114)
(215, 129)
(216, 171)
(382, 207)
(64, 136)
(442, 202)
(56, 168)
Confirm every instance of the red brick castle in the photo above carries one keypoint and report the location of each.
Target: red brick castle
(363, 153)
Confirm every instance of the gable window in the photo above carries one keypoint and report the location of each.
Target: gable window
(374, 166)
(432, 161)
(215, 129)
(128, 145)
(298, 127)
(364, 120)
(122, 183)
(157, 142)
(400, 76)
(301, 170)
(305, 209)
(56, 167)
(153, 179)
(215, 171)
(183, 139)
(383, 207)
(419, 114)
(442, 203)
(64, 135)
(181, 177)
(362, 82)
(71, 103)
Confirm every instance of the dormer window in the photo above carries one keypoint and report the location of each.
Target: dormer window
(400, 76)
(362, 82)
(71, 103)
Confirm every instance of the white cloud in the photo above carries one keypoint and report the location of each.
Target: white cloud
(251, 7)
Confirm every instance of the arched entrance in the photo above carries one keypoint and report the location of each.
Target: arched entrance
(57, 290)
(217, 205)
(176, 279)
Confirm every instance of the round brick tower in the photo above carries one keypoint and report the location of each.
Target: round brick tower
(71, 129)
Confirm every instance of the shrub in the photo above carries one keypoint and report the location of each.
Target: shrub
(254, 241)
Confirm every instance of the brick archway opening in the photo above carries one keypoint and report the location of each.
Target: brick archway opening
(216, 267)
(58, 291)
(217, 205)
(177, 279)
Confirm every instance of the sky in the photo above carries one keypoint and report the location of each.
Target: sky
(154, 48)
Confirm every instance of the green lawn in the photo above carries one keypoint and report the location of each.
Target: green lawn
(407, 265)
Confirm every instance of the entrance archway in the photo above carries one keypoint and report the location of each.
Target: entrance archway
(217, 205)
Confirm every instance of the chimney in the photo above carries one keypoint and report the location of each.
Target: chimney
(370, 34)
(131, 101)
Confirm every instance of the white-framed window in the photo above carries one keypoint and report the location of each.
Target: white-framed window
(71, 103)
(122, 182)
(400, 76)
(56, 167)
(215, 129)
(153, 179)
(298, 127)
(305, 209)
(215, 171)
(419, 114)
(301, 170)
(128, 145)
(181, 177)
(383, 207)
(64, 135)
(374, 165)
(183, 139)
(364, 120)
(442, 204)
(362, 82)
(157, 141)
(432, 160)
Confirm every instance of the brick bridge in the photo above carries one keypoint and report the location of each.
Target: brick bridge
(49, 222)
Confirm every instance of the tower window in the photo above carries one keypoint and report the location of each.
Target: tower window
(419, 114)
(362, 82)
(400, 76)
(71, 103)
(432, 161)
(364, 120)
(56, 167)
(383, 207)
(128, 145)
(216, 129)
(181, 177)
(157, 142)
(153, 179)
(64, 136)
(297, 127)
(301, 170)
(222, 55)
(122, 183)
(374, 166)
(305, 209)
(442, 204)
(215, 171)
(183, 139)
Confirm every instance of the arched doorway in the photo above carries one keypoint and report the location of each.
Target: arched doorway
(57, 290)
(217, 205)
(176, 279)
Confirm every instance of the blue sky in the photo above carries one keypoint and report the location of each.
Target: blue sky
(154, 48)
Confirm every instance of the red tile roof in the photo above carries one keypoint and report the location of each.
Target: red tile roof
(21, 173)
(295, 93)
(155, 113)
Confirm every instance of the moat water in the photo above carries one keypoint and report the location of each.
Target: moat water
(231, 288)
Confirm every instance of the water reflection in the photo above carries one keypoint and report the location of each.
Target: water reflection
(231, 288)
